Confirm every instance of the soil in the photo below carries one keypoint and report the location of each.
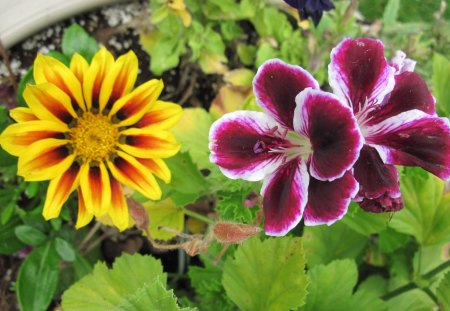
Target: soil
(117, 27)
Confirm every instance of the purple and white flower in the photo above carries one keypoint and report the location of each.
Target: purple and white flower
(397, 118)
(302, 146)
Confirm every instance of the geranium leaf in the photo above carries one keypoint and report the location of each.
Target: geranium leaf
(267, 275)
(166, 214)
(135, 282)
(426, 213)
(443, 292)
(324, 244)
(331, 288)
(364, 222)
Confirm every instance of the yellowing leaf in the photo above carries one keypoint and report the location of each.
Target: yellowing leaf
(239, 77)
(229, 99)
(164, 214)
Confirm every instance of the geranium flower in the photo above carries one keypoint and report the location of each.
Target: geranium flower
(397, 117)
(303, 146)
(85, 128)
(311, 8)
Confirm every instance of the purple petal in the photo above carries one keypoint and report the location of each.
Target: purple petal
(401, 63)
(410, 92)
(332, 130)
(414, 138)
(240, 145)
(359, 72)
(328, 200)
(276, 84)
(375, 178)
(384, 203)
(284, 197)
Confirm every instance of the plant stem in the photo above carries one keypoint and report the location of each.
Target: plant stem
(412, 285)
(197, 216)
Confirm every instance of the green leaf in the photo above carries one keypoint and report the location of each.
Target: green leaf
(414, 300)
(164, 213)
(324, 244)
(246, 53)
(265, 52)
(390, 240)
(9, 197)
(192, 133)
(38, 278)
(9, 243)
(364, 222)
(267, 275)
(65, 250)
(426, 214)
(441, 81)
(443, 292)
(26, 79)
(331, 288)
(30, 235)
(135, 282)
(186, 177)
(390, 13)
(77, 40)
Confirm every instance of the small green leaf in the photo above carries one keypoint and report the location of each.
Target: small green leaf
(443, 292)
(9, 243)
(38, 278)
(441, 81)
(30, 235)
(26, 79)
(77, 40)
(265, 52)
(267, 275)
(246, 53)
(134, 283)
(65, 250)
(324, 244)
(390, 13)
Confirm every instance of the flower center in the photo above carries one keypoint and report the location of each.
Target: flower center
(298, 146)
(94, 137)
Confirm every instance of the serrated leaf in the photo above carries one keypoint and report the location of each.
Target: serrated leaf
(38, 278)
(426, 214)
(192, 133)
(443, 292)
(267, 275)
(324, 244)
(364, 222)
(166, 214)
(441, 81)
(135, 282)
(331, 288)
(30, 235)
(77, 40)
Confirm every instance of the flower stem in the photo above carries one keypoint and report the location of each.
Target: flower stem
(412, 285)
(197, 216)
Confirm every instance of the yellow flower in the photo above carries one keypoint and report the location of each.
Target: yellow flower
(86, 128)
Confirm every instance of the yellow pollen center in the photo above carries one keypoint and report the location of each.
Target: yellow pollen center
(94, 137)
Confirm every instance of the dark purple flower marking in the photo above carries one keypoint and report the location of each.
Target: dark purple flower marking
(311, 8)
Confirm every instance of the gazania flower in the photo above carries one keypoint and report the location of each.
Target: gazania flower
(85, 128)
(302, 146)
(396, 115)
(311, 8)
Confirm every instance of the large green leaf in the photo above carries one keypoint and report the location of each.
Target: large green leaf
(331, 288)
(414, 300)
(364, 222)
(443, 292)
(426, 215)
(38, 277)
(135, 282)
(324, 244)
(441, 81)
(267, 275)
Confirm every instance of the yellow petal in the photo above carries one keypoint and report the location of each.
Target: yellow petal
(95, 185)
(157, 167)
(59, 190)
(162, 115)
(147, 143)
(44, 160)
(120, 80)
(84, 217)
(48, 102)
(79, 66)
(130, 108)
(16, 138)
(128, 171)
(119, 209)
(22, 114)
(101, 65)
(51, 70)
